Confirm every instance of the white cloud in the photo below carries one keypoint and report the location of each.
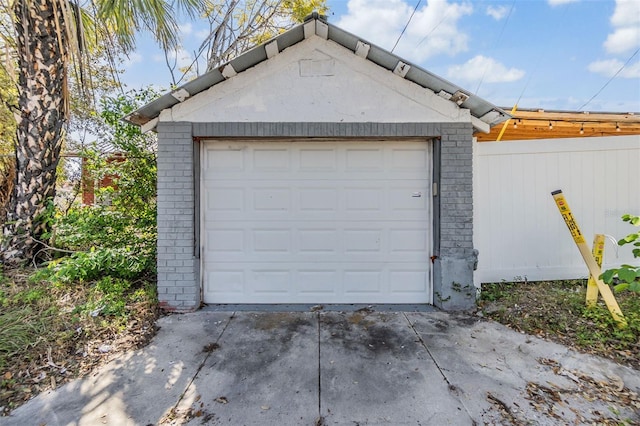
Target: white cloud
(626, 23)
(486, 69)
(497, 12)
(433, 29)
(623, 40)
(626, 13)
(554, 3)
(185, 28)
(609, 67)
(132, 58)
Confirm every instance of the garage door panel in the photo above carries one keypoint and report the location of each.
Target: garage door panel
(271, 160)
(272, 198)
(225, 161)
(369, 198)
(223, 282)
(270, 281)
(367, 201)
(317, 282)
(363, 282)
(408, 240)
(410, 198)
(318, 241)
(408, 281)
(266, 241)
(225, 241)
(308, 222)
(362, 240)
(289, 283)
(364, 159)
(405, 159)
(317, 159)
(315, 200)
(234, 199)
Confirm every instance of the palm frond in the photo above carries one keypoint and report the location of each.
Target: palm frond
(125, 17)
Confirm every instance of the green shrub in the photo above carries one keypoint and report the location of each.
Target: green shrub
(85, 266)
(628, 276)
(116, 240)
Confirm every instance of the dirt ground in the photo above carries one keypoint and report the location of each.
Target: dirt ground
(556, 310)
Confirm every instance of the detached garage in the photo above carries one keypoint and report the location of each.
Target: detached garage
(316, 168)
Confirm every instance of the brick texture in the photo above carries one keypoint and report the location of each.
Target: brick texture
(456, 183)
(178, 265)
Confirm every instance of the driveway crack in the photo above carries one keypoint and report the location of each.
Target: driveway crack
(319, 420)
(209, 349)
(452, 388)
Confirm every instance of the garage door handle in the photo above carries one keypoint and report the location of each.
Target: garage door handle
(417, 194)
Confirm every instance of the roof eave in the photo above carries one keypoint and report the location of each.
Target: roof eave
(484, 114)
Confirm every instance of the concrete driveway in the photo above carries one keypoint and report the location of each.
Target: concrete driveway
(340, 368)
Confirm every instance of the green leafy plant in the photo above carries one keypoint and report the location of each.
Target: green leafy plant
(627, 276)
(115, 239)
(85, 266)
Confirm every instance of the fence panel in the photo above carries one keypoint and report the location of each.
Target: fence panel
(517, 227)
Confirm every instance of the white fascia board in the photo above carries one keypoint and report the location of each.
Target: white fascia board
(228, 71)
(180, 95)
(401, 69)
(322, 30)
(149, 125)
(362, 49)
(480, 125)
(271, 49)
(167, 114)
(309, 28)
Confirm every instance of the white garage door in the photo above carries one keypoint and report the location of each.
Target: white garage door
(316, 222)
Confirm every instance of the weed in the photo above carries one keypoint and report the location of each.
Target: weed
(29, 296)
(492, 292)
(93, 264)
(19, 331)
(557, 310)
(3, 278)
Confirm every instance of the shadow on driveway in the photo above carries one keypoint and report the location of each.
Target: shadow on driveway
(326, 368)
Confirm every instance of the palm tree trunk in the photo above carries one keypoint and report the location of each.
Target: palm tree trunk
(42, 51)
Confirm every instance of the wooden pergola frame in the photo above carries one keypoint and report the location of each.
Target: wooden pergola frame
(541, 124)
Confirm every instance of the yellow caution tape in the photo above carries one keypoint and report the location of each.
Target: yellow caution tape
(598, 254)
(594, 268)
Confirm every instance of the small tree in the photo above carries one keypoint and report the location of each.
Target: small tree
(119, 239)
(628, 275)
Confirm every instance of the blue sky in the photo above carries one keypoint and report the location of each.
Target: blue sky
(549, 54)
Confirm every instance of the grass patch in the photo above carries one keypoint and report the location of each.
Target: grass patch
(20, 330)
(556, 310)
(51, 333)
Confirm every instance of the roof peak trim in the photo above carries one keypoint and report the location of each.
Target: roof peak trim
(316, 25)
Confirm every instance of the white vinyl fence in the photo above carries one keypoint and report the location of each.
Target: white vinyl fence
(517, 227)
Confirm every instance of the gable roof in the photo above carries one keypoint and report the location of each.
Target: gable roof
(484, 115)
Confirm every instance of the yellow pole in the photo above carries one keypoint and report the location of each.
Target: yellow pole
(594, 269)
(598, 254)
(504, 126)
